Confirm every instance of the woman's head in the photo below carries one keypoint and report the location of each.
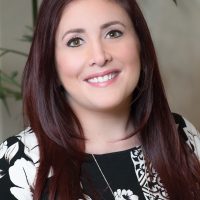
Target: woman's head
(52, 62)
(97, 55)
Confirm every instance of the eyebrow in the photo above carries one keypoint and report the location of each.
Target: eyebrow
(103, 26)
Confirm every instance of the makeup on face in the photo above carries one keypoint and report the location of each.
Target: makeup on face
(97, 54)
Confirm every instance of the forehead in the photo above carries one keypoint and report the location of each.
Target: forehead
(92, 12)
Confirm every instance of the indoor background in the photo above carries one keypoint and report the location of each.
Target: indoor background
(176, 34)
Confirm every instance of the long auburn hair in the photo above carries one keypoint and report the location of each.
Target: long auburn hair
(59, 132)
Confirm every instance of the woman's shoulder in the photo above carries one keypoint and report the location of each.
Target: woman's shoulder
(188, 131)
(19, 160)
(24, 144)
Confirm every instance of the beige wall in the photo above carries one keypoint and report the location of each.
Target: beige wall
(175, 30)
(14, 16)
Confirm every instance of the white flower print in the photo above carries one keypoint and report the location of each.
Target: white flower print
(125, 194)
(31, 148)
(193, 137)
(86, 197)
(22, 174)
(8, 153)
(21, 194)
(33, 153)
(11, 151)
(2, 173)
(3, 149)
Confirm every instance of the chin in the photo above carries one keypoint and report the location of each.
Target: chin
(109, 106)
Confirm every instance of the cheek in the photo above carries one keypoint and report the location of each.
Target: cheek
(68, 66)
(130, 56)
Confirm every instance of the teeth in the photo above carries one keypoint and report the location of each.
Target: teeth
(102, 79)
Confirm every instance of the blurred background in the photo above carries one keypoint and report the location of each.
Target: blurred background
(176, 34)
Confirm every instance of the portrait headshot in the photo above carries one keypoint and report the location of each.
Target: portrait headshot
(108, 103)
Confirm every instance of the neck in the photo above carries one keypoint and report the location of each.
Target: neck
(106, 132)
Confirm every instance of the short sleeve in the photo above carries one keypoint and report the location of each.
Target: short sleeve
(189, 133)
(193, 137)
(18, 166)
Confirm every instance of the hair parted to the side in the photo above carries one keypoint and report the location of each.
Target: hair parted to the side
(59, 132)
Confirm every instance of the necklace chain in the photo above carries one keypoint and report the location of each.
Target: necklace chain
(103, 175)
(145, 171)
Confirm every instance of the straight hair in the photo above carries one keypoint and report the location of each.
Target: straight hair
(59, 131)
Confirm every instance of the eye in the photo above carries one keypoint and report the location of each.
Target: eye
(114, 34)
(75, 42)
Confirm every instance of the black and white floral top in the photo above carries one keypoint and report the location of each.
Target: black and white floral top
(125, 171)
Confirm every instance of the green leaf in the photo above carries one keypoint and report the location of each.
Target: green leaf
(3, 99)
(8, 82)
(34, 11)
(27, 38)
(7, 92)
(6, 106)
(13, 51)
(30, 28)
(3, 53)
(175, 1)
(14, 74)
(5, 78)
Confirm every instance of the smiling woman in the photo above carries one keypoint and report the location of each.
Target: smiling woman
(98, 60)
(99, 123)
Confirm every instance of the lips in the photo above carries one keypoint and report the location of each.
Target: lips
(102, 77)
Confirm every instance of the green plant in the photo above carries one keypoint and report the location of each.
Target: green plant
(9, 86)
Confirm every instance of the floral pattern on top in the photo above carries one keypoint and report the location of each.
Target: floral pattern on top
(19, 161)
(125, 194)
(152, 187)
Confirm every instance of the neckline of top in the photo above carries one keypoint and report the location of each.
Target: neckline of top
(134, 148)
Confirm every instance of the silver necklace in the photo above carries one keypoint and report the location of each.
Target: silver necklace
(103, 175)
(149, 192)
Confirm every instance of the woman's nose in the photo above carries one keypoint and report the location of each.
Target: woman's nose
(100, 56)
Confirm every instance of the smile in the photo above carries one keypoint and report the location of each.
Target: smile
(101, 79)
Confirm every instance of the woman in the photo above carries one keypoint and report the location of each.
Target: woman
(99, 123)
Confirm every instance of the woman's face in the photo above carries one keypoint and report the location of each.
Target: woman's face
(97, 55)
